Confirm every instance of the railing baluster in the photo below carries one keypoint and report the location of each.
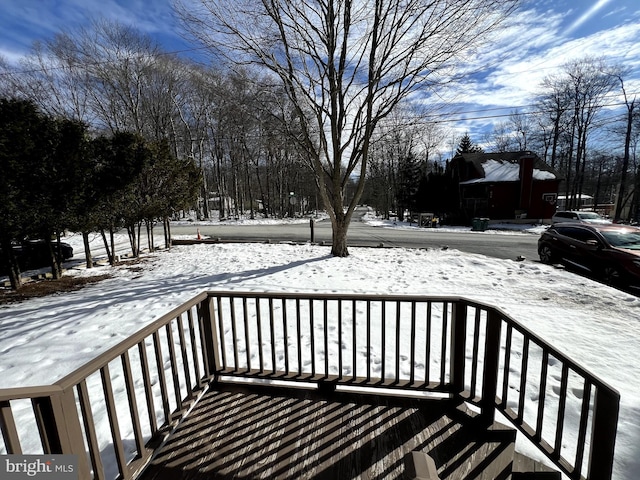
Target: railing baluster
(285, 330)
(90, 431)
(161, 378)
(443, 343)
(234, 333)
(412, 376)
(397, 346)
(272, 330)
(148, 390)
(542, 393)
(584, 420)
(523, 377)
(312, 338)
(427, 347)
(174, 366)
(325, 325)
(272, 325)
(247, 340)
(383, 341)
(368, 354)
(340, 365)
(194, 345)
(299, 339)
(113, 422)
(205, 333)
(8, 428)
(474, 354)
(354, 348)
(223, 341)
(260, 342)
(458, 346)
(505, 371)
(133, 404)
(564, 381)
(185, 357)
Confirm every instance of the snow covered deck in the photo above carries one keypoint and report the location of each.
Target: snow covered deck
(169, 382)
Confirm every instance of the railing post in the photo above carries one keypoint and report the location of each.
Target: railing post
(491, 365)
(605, 423)
(59, 426)
(211, 348)
(8, 429)
(458, 346)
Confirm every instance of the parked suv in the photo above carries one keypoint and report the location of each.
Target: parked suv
(610, 252)
(579, 217)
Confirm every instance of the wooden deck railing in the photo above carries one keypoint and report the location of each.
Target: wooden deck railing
(137, 390)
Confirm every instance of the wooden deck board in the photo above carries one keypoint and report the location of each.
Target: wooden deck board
(280, 433)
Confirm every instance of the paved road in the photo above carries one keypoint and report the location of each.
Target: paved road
(508, 246)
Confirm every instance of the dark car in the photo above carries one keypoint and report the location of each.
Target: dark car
(35, 253)
(610, 252)
(32, 254)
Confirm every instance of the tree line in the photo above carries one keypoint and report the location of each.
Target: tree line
(55, 177)
(584, 122)
(231, 124)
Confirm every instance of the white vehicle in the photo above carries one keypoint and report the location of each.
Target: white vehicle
(579, 217)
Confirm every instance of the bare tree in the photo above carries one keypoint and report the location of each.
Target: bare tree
(500, 138)
(631, 104)
(572, 101)
(345, 66)
(521, 124)
(590, 80)
(53, 78)
(553, 104)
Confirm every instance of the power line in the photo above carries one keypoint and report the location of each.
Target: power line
(431, 118)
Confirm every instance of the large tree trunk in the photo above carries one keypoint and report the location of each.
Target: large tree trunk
(87, 250)
(110, 251)
(339, 237)
(167, 232)
(133, 240)
(55, 257)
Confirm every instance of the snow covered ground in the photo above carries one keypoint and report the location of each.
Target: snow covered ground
(597, 326)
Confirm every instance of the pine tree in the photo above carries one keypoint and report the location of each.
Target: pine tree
(467, 146)
(409, 176)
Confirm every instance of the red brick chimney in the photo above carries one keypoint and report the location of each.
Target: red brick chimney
(526, 180)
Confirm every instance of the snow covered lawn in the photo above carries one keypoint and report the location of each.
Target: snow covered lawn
(597, 326)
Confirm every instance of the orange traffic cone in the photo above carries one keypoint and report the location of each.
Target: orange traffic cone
(199, 237)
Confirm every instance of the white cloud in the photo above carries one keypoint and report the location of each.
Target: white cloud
(28, 20)
(587, 15)
(532, 50)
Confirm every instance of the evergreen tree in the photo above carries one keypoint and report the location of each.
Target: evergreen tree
(119, 160)
(467, 146)
(408, 184)
(20, 124)
(41, 164)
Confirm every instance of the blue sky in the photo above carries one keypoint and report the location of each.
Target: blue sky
(545, 35)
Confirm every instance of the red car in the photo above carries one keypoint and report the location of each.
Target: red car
(610, 252)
